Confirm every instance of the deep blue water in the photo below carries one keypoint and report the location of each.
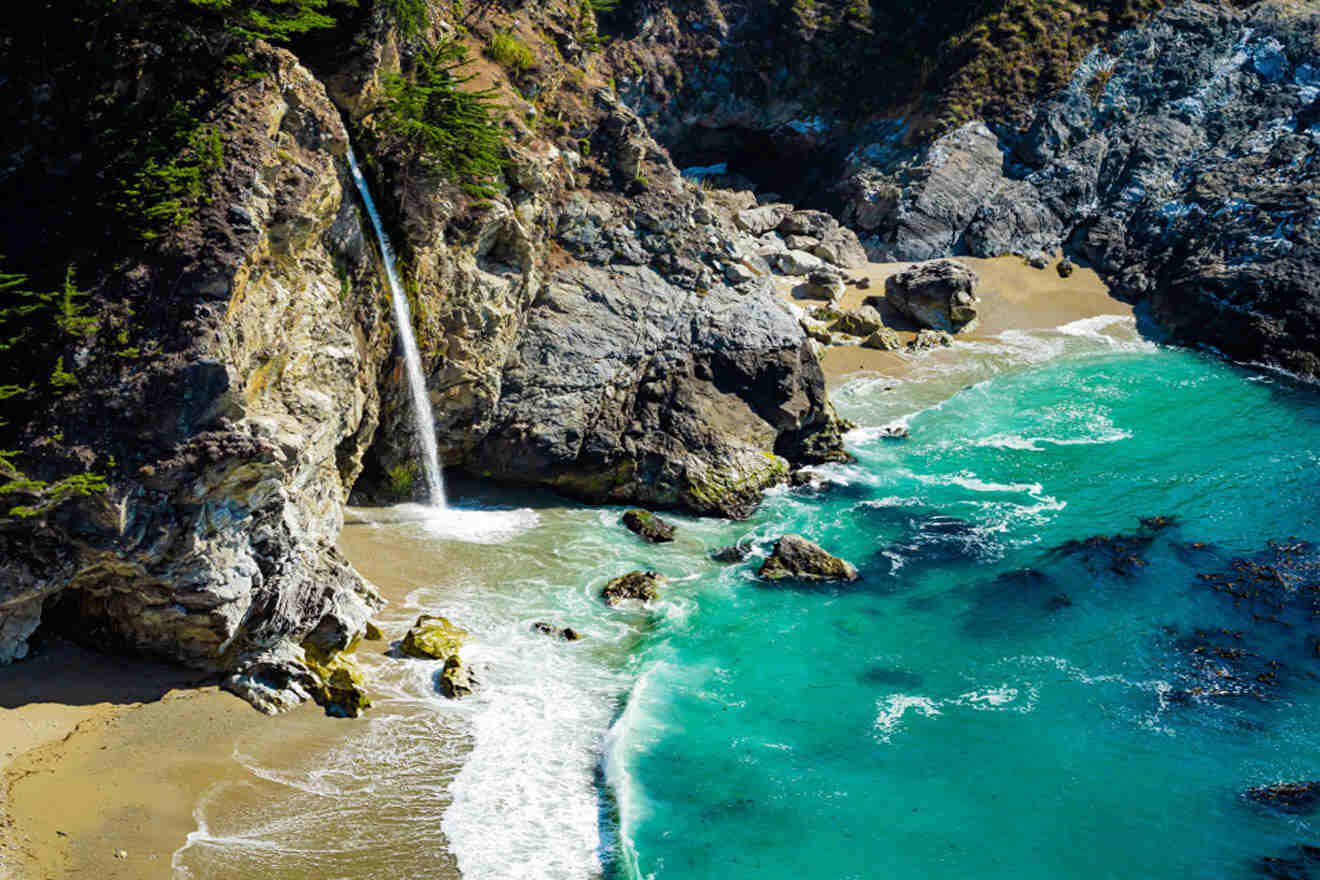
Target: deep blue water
(992, 700)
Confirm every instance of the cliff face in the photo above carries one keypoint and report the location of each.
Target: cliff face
(1176, 157)
(1180, 162)
(232, 442)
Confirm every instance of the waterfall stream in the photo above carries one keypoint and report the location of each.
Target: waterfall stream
(421, 404)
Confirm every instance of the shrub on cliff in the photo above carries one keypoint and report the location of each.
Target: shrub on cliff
(431, 120)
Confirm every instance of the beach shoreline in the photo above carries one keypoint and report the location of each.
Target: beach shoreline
(1014, 296)
(103, 771)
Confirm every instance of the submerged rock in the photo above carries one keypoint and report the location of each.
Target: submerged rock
(796, 558)
(433, 637)
(939, 294)
(731, 554)
(566, 633)
(1289, 797)
(640, 585)
(648, 526)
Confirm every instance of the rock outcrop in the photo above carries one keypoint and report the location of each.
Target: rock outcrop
(939, 295)
(1287, 797)
(794, 558)
(648, 526)
(642, 586)
(432, 637)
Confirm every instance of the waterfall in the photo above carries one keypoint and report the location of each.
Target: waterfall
(421, 404)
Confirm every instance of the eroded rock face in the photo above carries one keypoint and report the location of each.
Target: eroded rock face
(236, 440)
(628, 388)
(797, 559)
(939, 295)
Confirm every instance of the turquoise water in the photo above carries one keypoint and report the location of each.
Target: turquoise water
(983, 703)
(996, 698)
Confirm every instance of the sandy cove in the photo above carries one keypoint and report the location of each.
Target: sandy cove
(1014, 296)
(103, 770)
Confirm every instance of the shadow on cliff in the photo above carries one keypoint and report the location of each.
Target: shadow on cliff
(59, 671)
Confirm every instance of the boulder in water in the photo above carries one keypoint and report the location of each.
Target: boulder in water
(939, 294)
(796, 558)
(928, 339)
(433, 637)
(456, 680)
(566, 633)
(731, 554)
(640, 585)
(372, 633)
(648, 526)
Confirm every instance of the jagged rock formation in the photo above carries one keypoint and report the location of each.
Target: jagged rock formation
(794, 558)
(939, 295)
(1178, 162)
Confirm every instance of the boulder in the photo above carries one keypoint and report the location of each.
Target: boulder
(928, 339)
(342, 689)
(801, 243)
(456, 680)
(432, 637)
(883, 339)
(796, 558)
(842, 248)
(372, 633)
(822, 284)
(859, 322)
(640, 585)
(793, 262)
(566, 633)
(813, 223)
(731, 554)
(648, 526)
(1065, 268)
(761, 219)
(938, 294)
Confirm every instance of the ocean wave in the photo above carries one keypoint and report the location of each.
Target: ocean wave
(889, 713)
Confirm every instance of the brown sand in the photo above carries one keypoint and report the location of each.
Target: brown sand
(103, 755)
(1014, 296)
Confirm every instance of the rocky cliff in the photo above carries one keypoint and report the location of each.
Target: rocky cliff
(188, 412)
(197, 417)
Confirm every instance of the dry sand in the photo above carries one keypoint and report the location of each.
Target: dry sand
(1014, 296)
(102, 755)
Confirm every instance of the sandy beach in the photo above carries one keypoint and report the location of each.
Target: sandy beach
(103, 769)
(105, 759)
(1014, 296)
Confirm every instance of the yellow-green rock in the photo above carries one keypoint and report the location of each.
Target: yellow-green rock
(433, 637)
(342, 685)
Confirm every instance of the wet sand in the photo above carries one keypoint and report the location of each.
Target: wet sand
(1014, 296)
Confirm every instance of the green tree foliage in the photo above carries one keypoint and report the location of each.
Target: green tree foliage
(409, 15)
(275, 20)
(431, 119)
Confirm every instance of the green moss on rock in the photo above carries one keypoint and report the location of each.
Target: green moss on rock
(433, 637)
